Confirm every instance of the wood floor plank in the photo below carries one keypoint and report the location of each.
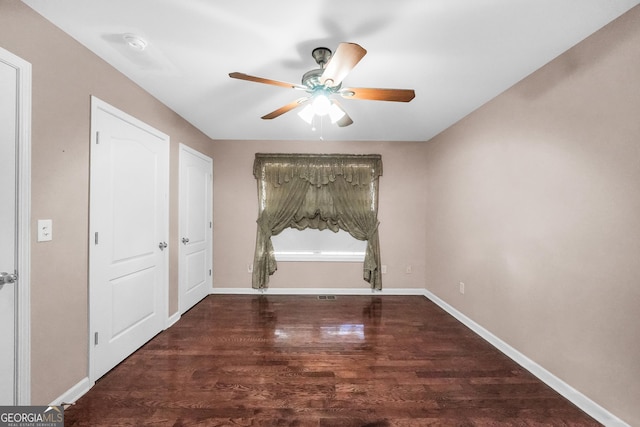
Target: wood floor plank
(356, 361)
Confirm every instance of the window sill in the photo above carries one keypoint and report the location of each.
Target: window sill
(319, 257)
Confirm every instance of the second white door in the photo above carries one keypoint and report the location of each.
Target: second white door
(196, 225)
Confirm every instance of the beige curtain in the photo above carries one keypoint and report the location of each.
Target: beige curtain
(320, 191)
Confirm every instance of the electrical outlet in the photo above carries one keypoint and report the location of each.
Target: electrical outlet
(249, 268)
(462, 288)
(383, 270)
(408, 269)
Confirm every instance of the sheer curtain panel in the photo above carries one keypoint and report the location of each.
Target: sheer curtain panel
(334, 191)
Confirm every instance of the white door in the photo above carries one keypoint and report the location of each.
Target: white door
(195, 264)
(15, 83)
(129, 229)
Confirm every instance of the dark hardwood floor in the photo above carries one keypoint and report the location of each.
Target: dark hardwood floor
(354, 361)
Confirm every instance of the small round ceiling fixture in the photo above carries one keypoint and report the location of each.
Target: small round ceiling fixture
(134, 41)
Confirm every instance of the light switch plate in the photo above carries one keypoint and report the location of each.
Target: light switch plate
(45, 230)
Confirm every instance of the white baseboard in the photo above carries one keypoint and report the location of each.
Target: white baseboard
(172, 319)
(74, 393)
(596, 411)
(317, 291)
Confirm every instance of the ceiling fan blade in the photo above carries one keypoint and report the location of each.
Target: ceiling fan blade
(378, 94)
(341, 63)
(242, 76)
(344, 120)
(290, 106)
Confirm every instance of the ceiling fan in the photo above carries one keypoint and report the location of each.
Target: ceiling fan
(324, 82)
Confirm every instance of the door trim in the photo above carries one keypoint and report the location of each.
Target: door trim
(23, 289)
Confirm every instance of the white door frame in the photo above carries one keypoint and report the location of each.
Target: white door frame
(23, 285)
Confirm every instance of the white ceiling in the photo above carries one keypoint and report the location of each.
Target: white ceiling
(456, 54)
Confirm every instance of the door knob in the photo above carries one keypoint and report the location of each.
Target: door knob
(185, 240)
(7, 278)
(162, 245)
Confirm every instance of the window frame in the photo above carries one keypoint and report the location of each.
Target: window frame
(306, 249)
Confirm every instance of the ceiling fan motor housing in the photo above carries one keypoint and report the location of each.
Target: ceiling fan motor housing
(311, 79)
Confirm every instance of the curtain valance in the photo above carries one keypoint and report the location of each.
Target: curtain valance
(318, 169)
(334, 191)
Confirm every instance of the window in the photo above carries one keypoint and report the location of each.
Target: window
(316, 245)
(317, 191)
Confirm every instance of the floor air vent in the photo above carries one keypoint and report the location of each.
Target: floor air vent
(327, 297)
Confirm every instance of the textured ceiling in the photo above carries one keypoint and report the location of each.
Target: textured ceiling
(455, 54)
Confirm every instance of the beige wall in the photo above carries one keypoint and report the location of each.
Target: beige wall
(65, 75)
(535, 205)
(401, 215)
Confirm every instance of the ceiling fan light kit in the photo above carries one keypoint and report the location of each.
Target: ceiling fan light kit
(309, 112)
(323, 83)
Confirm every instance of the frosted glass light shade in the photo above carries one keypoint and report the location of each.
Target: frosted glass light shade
(335, 113)
(321, 105)
(307, 113)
